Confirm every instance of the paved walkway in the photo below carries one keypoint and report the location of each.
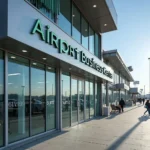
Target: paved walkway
(127, 131)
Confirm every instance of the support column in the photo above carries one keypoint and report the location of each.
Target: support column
(58, 100)
(6, 98)
(107, 99)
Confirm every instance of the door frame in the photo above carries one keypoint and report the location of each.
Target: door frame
(81, 79)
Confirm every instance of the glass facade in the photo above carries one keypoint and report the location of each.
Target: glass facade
(50, 98)
(97, 46)
(91, 40)
(1, 98)
(76, 24)
(18, 98)
(40, 103)
(47, 7)
(87, 100)
(37, 98)
(74, 102)
(64, 19)
(67, 16)
(104, 93)
(32, 98)
(85, 33)
(81, 100)
(66, 114)
(92, 101)
(97, 98)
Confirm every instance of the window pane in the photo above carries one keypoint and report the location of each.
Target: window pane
(97, 45)
(85, 33)
(64, 19)
(76, 29)
(74, 92)
(98, 96)
(87, 94)
(50, 98)
(65, 81)
(44, 7)
(92, 102)
(1, 98)
(91, 39)
(81, 100)
(37, 98)
(18, 98)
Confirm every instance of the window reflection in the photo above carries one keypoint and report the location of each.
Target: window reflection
(85, 33)
(91, 40)
(50, 98)
(1, 98)
(97, 45)
(74, 94)
(44, 7)
(18, 98)
(87, 95)
(76, 33)
(64, 20)
(81, 100)
(65, 83)
(92, 102)
(37, 98)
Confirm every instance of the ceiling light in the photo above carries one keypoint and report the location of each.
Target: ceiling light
(73, 15)
(24, 51)
(105, 25)
(44, 58)
(85, 29)
(13, 57)
(94, 6)
(34, 63)
(49, 68)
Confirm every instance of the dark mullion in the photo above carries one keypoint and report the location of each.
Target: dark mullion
(30, 112)
(71, 17)
(45, 98)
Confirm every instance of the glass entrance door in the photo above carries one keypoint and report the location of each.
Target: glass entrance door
(77, 100)
(81, 100)
(74, 102)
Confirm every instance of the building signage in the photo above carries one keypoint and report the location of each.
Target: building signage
(51, 38)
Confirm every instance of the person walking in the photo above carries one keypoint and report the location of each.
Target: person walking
(147, 106)
(122, 103)
(143, 100)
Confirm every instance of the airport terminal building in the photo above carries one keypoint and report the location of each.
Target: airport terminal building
(53, 72)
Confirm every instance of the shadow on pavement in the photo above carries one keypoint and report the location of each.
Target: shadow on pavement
(41, 140)
(121, 139)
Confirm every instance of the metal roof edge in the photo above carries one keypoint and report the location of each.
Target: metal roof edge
(117, 54)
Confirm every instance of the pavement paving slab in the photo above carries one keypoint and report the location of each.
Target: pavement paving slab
(126, 131)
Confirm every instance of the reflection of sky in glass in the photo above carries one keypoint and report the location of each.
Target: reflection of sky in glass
(76, 25)
(85, 33)
(65, 85)
(74, 87)
(37, 82)
(50, 83)
(19, 78)
(64, 19)
(91, 39)
(87, 88)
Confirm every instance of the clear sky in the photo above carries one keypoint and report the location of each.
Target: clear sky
(132, 39)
